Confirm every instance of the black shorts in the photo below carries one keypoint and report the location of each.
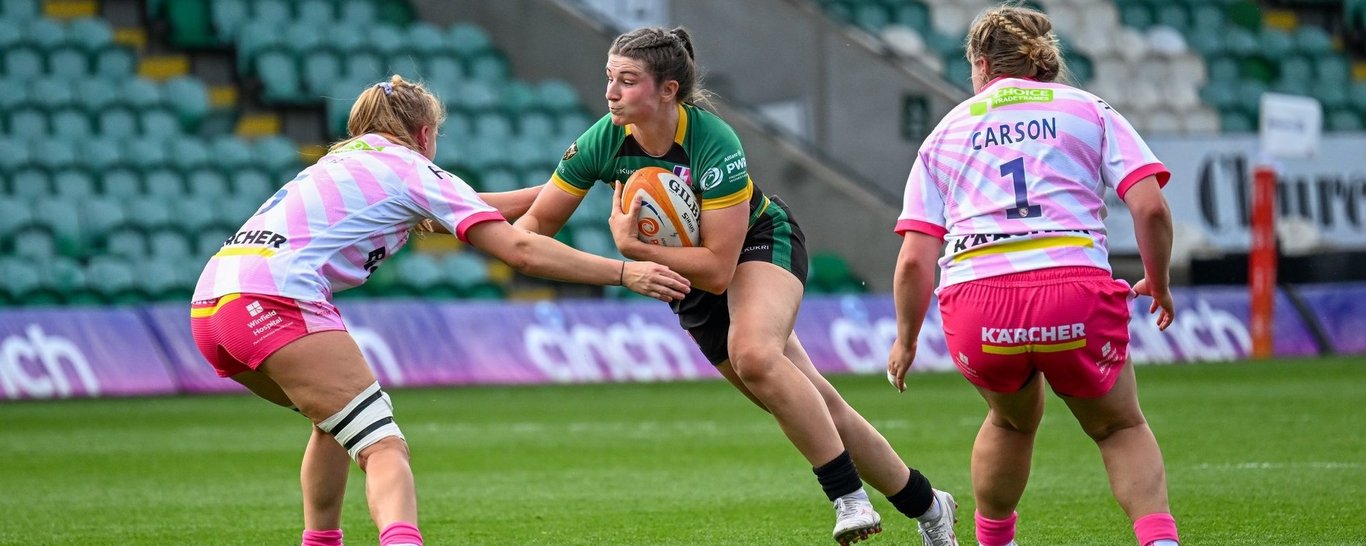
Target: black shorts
(774, 238)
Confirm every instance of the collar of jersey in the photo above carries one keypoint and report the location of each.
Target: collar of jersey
(682, 126)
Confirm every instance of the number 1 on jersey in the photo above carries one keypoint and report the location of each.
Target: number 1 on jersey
(1015, 170)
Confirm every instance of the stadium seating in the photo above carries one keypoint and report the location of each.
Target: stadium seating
(1180, 66)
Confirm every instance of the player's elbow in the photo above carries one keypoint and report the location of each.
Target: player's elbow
(1150, 211)
(521, 254)
(716, 281)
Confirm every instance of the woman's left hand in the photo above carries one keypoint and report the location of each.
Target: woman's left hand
(898, 361)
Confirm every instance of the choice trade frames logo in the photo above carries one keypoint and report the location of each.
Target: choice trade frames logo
(1010, 95)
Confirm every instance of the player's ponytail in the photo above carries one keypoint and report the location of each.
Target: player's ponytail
(1017, 41)
(395, 107)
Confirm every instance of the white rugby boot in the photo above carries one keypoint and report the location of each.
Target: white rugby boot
(855, 518)
(939, 532)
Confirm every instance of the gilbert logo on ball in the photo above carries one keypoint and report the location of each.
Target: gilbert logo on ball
(669, 211)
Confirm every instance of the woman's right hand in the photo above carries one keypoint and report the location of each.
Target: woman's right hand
(654, 280)
(1162, 297)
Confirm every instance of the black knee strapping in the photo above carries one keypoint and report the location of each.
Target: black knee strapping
(838, 477)
(914, 499)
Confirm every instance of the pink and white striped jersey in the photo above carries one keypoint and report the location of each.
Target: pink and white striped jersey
(1014, 179)
(329, 228)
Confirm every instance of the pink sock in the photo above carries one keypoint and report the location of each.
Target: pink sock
(1154, 527)
(400, 533)
(995, 532)
(330, 537)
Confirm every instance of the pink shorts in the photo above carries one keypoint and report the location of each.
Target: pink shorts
(1071, 323)
(237, 332)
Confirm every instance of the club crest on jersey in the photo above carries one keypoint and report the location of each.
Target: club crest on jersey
(572, 151)
(683, 172)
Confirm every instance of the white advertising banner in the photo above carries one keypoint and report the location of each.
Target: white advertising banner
(1211, 191)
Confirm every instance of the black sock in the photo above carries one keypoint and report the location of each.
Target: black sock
(914, 499)
(838, 477)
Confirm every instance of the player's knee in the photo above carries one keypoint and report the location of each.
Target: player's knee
(1103, 431)
(753, 361)
(367, 420)
(390, 445)
(1023, 424)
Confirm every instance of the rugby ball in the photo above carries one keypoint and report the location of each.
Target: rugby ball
(669, 211)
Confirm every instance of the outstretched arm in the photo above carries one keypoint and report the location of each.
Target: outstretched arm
(512, 204)
(548, 211)
(542, 256)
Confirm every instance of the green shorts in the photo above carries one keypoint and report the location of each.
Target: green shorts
(773, 237)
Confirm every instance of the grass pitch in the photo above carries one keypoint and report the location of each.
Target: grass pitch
(1257, 453)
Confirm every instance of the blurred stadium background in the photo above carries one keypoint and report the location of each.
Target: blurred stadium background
(136, 135)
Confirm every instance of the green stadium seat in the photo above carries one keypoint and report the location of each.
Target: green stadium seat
(168, 244)
(69, 63)
(357, 12)
(468, 40)
(124, 242)
(232, 153)
(11, 33)
(90, 33)
(72, 124)
(1276, 43)
(572, 124)
(271, 10)
(207, 181)
(120, 182)
(149, 213)
(194, 214)
(425, 39)
(14, 213)
(362, 65)
(321, 70)
(493, 125)
(30, 182)
(159, 122)
(161, 279)
(163, 182)
(442, 72)
(1246, 14)
(422, 274)
(596, 240)
(494, 180)
(558, 96)
(73, 182)
(913, 15)
(537, 124)
(871, 17)
(20, 10)
(115, 63)
(277, 153)
(49, 93)
(33, 242)
(54, 153)
(117, 123)
(318, 13)
(1236, 121)
(1343, 119)
(45, 32)
(1173, 15)
(207, 243)
(23, 62)
(489, 67)
(279, 76)
(145, 152)
(227, 16)
(24, 282)
(101, 215)
(117, 280)
(1314, 40)
(385, 40)
(188, 97)
(191, 24)
(1333, 67)
(254, 38)
(253, 184)
(28, 123)
(404, 64)
(235, 210)
(1331, 95)
(189, 153)
(66, 277)
(465, 269)
(141, 93)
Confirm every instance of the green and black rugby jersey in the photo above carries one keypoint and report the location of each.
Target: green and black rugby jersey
(706, 154)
